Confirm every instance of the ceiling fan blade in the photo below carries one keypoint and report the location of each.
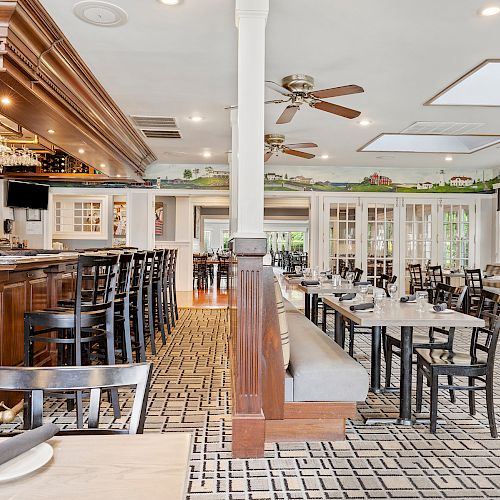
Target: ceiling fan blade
(288, 114)
(300, 154)
(267, 156)
(337, 91)
(336, 109)
(302, 145)
(277, 88)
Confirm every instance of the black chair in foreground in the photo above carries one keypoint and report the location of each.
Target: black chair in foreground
(476, 365)
(35, 382)
(436, 338)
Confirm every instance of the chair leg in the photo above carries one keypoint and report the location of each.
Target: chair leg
(110, 351)
(420, 383)
(28, 356)
(490, 406)
(140, 328)
(434, 401)
(388, 363)
(77, 352)
(472, 397)
(175, 297)
(166, 307)
(151, 320)
(452, 392)
(161, 318)
(126, 331)
(351, 339)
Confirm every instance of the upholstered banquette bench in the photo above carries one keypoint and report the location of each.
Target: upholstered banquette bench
(310, 384)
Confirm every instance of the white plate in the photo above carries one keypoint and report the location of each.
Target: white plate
(446, 311)
(363, 311)
(29, 461)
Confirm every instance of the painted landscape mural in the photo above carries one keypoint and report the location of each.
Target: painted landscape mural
(331, 179)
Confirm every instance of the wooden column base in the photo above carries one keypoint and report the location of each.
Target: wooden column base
(248, 436)
(305, 429)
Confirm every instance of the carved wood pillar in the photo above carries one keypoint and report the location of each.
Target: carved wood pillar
(246, 307)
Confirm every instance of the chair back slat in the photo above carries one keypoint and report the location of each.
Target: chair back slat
(485, 339)
(435, 275)
(40, 380)
(474, 282)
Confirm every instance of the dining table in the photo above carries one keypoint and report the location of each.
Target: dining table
(406, 316)
(114, 467)
(492, 282)
(312, 294)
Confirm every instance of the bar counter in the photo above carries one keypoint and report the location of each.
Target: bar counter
(27, 284)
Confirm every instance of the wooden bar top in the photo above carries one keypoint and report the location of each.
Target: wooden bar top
(40, 261)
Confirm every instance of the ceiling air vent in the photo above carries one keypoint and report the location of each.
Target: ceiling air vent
(442, 128)
(161, 134)
(154, 121)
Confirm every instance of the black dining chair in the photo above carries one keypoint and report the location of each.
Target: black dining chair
(222, 271)
(435, 276)
(474, 282)
(435, 338)
(477, 365)
(41, 381)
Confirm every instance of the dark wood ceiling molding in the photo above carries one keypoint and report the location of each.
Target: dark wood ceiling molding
(47, 76)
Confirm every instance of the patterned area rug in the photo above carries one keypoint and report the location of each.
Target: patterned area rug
(191, 392)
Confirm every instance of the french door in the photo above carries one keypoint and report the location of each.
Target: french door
(384, 235)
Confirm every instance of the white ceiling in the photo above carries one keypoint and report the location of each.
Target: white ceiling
(179, 61)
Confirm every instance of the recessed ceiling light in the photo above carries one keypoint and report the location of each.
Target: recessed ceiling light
(118, 175)
(449, 158)
(102, 165)
(51, 131)
(81, 151)
(365, 123)
(207, 154)
(324, 157)
(196, 118)
(5, 100)
(491, 10)
(170, 2)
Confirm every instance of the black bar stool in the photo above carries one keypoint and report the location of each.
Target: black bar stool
(81, 329)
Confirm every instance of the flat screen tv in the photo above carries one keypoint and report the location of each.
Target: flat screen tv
(27, 195)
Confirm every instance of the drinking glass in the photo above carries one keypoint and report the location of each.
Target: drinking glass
(349, 277)
(392, 289)
(307, 272)
(378, 300)
(363, 290)
(336, 280)
(298, 269)
(422, 299)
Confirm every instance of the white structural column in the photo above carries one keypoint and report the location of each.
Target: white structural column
(140, 223)
(233, 173)
(251, 17)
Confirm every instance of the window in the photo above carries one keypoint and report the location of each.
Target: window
(456, 236)
(225, 240)
(296, 241)
(418, 234)
(380, 240)
(80, 218)
(342, 236)
(207, 240)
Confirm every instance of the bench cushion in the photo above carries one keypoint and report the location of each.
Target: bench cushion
(285, 343)
(321, 369)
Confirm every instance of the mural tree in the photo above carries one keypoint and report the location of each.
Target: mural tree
(187, 174)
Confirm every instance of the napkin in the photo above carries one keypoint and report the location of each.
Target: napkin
(309, 282)
(15, 446)
(440, 307)
(408, 298)
(488, 275)
(362, 307)
(358, 283)
(347, 296)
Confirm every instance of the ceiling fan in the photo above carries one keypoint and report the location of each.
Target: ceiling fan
(298, 89)
(275, 144)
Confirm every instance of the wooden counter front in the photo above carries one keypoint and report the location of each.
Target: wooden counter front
(27, 285)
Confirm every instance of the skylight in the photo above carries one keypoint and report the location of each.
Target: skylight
(428, 143)
(479, 87)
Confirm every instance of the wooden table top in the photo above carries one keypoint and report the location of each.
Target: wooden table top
(493, 282)
(152, 466)
(400, 314)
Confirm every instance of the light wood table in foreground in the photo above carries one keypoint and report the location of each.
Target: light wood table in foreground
(152, 466)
